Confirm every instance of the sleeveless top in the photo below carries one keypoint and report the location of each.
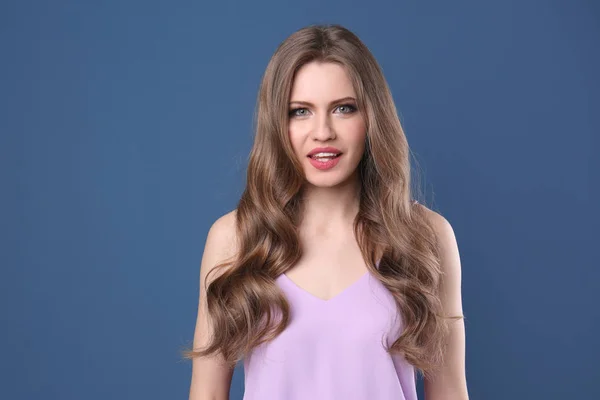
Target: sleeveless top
(333, 349)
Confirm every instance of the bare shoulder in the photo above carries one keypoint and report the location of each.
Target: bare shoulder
(221, 242)
(211, 375)
(223, 230)
(450, 262)
(451, 380)
(441, 226)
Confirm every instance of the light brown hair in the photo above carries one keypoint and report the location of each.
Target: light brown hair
(241, 301)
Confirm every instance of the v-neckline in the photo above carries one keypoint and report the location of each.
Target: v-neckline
(331, 299)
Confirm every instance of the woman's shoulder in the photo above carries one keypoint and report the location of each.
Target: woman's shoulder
(442, 228)
(223, 234)
(221, 243)
(436, 219)
(225, 224)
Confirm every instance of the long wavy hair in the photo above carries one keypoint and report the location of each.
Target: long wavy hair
(244, 300)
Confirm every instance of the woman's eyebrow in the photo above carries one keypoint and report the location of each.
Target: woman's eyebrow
(306, 103)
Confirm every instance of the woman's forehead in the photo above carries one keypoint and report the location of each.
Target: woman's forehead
(321, 82)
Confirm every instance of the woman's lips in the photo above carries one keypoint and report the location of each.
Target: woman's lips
(325, 165)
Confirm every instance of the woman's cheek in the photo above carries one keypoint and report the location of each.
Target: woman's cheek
(295, 138)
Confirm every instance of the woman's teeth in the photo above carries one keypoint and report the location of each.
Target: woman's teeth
(324, 156)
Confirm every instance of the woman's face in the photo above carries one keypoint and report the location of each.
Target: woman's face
(323, 113)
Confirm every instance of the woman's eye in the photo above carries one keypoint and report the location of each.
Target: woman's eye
(346, 108)
(343, 108)
(296, 112)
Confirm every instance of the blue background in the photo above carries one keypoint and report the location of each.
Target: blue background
(125, 129)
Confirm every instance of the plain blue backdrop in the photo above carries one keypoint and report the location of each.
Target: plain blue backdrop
(125, 129)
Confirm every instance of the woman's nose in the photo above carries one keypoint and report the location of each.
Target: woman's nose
(322, 129)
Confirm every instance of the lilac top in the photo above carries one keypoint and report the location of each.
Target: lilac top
(333, 349)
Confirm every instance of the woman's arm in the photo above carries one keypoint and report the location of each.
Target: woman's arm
(450, 382)
(211, 377)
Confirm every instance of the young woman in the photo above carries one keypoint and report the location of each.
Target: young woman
(328, 280)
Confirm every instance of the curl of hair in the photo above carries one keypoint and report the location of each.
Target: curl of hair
(244, 301)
